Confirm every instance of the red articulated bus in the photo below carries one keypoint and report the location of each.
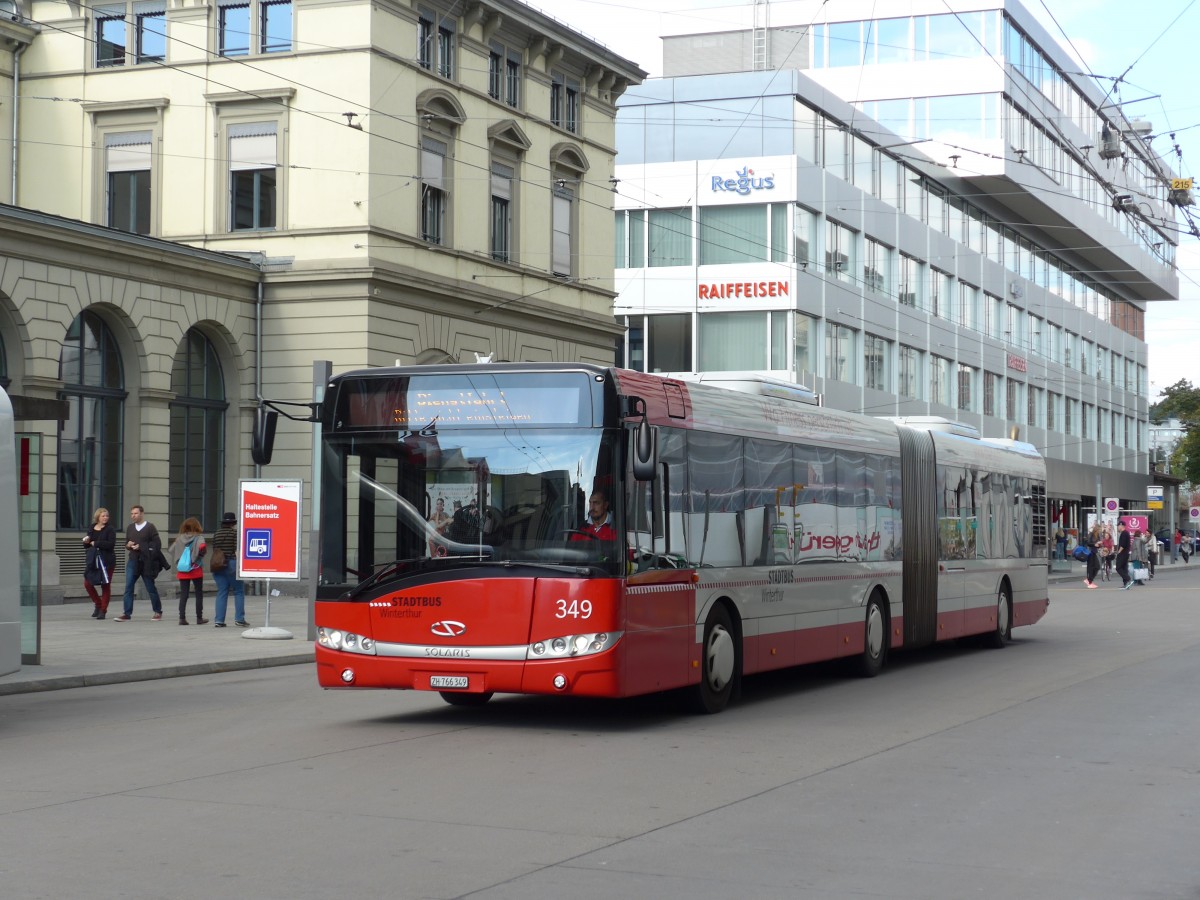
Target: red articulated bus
(589, 531)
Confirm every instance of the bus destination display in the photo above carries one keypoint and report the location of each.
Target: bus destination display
(416, 404)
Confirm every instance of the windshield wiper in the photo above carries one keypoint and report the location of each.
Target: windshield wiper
(561, 568)
(385, 569)
(423, 563)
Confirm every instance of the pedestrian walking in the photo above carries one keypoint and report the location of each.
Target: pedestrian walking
(1123, 546)
(1060, 542)
(187, 559)
(1091, 540)
(101, 542)
(1139, 556)
(225, 575)
(1108, 551)
(144, 560)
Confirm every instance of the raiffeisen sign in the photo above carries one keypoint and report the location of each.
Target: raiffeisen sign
(745, 182)
(731, 290)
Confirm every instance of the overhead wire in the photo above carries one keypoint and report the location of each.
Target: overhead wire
(184, 68)
(1028, 98)
(407, 120)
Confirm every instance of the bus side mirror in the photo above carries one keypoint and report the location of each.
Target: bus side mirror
(645, 451)
(262, 442)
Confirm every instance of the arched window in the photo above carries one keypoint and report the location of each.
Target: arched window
(197, 433)
(441, 115)
(568, 166)
(90, 447)
(4, 379)
(508, 145)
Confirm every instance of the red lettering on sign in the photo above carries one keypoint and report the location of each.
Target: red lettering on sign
(731, 289)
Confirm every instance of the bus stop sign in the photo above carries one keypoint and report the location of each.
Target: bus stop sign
(269, 529)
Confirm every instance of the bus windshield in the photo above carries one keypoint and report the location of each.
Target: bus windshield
(444, 499)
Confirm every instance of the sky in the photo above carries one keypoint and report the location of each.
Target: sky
(1144, 49)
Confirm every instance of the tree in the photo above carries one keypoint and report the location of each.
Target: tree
(1179, 401)
(1185, 458)
(1182, 401)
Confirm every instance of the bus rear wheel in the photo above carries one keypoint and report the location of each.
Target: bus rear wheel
(875, 639)
(1002, 633)
(457, 698)
(718, 663)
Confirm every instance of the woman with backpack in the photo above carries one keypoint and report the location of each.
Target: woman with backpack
(187, 559)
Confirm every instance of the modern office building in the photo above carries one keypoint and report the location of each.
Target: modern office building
(405, 181)
(1164, 438)
(924, 215)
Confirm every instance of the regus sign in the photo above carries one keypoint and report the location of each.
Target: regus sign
(745, 182)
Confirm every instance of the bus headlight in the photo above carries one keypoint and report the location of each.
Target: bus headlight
(345, 641)
(569, 645)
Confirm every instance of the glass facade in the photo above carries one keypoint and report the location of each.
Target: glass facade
(955, 273)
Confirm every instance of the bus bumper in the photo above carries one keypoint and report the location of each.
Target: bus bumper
(591, 676)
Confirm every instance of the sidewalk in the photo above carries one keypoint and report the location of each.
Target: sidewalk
(79, 651)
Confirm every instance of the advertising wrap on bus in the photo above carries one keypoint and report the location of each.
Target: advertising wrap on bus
(578, 530)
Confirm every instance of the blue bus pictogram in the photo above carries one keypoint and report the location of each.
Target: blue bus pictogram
(258, 543)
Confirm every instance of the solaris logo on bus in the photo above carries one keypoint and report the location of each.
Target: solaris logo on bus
(744, 183)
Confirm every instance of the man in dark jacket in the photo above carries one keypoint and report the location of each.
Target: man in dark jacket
(1123, 546)
(144, 560)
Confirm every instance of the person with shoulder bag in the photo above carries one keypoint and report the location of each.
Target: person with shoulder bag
(101, 541)
(224, 572)
(187, 559)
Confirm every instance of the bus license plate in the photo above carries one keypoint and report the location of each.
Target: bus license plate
(448, 681)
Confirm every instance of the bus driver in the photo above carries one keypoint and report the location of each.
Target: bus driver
(599, 525)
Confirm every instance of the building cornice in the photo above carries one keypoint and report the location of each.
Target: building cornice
(96, 107)
(279, 94)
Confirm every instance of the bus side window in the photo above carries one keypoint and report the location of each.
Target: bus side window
(768, 469)
(716, 496)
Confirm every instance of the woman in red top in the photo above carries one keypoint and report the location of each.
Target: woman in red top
(190, 571)
(1107, 552)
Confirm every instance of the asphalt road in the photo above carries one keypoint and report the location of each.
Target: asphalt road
(1066, 765)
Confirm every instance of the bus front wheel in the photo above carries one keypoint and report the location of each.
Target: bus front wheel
(718, 663)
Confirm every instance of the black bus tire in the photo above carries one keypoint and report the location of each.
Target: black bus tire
(720, 663)
(1002, 633)
(875, 638)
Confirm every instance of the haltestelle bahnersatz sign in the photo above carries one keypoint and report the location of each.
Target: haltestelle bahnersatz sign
(269, 529)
